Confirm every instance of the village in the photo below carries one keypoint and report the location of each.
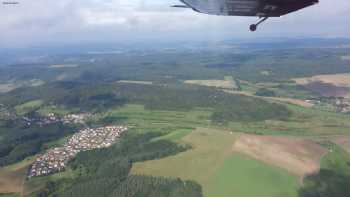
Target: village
(56, 159)
(52, 118)
(339, 104)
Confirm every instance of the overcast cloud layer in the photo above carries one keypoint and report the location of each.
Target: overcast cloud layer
(42, 22)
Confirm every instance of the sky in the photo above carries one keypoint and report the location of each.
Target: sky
(60, 22)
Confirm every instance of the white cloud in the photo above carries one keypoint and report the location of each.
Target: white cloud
(60, 21)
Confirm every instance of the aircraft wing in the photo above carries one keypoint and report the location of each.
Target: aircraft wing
(261, 8)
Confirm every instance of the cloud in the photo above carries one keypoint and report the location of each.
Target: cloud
(37, 22)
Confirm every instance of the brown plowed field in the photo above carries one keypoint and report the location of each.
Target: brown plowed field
(344, 142)
(298, 156)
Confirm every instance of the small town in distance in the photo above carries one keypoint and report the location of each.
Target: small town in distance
(56, 159)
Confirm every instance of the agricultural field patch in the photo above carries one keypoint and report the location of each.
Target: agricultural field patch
(221, 172)
(28, 106)
(345, 57)
(328, 90)
(298, 156)
(294, 101)
(227, 83)
(12, 177)
(242, 176)
(328, 85)
(299, 102)
(343, 141)
(136, 82)
(142, 118)
(8, 86)
(210, 148)
(63, 66)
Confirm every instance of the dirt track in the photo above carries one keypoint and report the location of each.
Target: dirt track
(298, 156)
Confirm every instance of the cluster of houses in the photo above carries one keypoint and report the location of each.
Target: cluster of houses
(343, 105)
(5, 113)
(340, 104)
(76, 118)
(56, 159)
(52, 118)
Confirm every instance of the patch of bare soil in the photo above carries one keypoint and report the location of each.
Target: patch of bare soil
(335, 79)
(12, 181)
(298, 156)
(337, 85)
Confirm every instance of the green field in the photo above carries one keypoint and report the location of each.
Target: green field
(28, 106)
(45, 110)
(219, 170)
(139, 117)
(241, 176)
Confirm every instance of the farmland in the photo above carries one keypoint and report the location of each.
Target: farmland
(220, 170)
(227, 83)
(298, 156)
(335, 79)
(206, 120)
(12, 177)
(337, 85)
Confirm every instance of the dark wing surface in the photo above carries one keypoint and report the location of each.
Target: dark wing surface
(261, 8)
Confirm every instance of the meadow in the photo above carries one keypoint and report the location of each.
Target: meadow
(219, 170)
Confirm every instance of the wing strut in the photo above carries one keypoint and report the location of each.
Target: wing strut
(253, 27)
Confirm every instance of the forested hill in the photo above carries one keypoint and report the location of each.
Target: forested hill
(101, 96)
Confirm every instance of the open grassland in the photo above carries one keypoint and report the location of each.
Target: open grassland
(28, 106)
(221, 172)
(242, 176)
(227, 83)
(298, 156)
(138, 116)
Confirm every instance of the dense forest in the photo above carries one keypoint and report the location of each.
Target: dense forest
(325, 184)
(106, 172)
(19, 141)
